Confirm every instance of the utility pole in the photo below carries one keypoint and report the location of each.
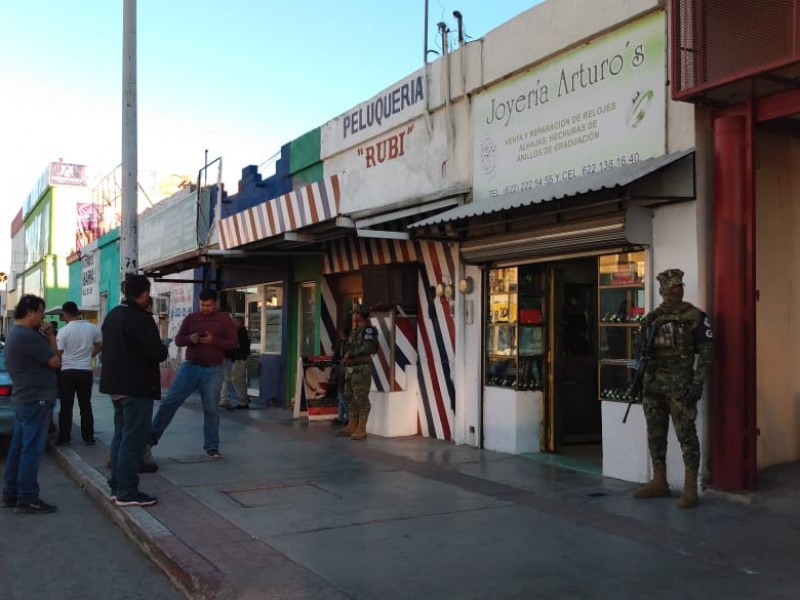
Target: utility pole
(128, 231)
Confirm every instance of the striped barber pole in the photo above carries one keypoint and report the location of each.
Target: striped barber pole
(429, 343)
(313, 203)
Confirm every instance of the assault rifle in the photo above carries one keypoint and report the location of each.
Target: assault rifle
(639, 365)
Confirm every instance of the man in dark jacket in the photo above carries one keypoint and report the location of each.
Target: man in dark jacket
(130, 374)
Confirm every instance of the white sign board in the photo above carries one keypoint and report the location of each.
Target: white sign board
(392, 107)
(90, 279)
(596, 107)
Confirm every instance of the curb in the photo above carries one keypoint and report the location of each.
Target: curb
(195, 577)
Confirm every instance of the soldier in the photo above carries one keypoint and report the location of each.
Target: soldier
(673, 384)
(357, 362)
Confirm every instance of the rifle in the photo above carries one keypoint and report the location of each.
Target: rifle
(639, 365)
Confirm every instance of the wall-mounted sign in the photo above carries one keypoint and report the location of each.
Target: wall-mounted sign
(90, 271)
(597, 107)
(395, 105)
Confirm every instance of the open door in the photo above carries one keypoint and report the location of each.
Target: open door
(571, 407)
(554, 298)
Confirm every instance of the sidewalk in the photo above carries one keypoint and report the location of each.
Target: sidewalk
(292, 511)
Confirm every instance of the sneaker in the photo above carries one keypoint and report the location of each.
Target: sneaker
(136, 499)
(226, 405)
(9, 501)
(214, 453)
(150, 467)
(39, 507)
(90, 442)
(62, 442)
(243, 406)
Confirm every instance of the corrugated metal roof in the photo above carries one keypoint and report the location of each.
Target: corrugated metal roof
(611, 178)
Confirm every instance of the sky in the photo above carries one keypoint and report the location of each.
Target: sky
(235, 79)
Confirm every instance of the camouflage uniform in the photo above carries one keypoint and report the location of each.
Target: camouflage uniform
(672, 380)
(361, 345)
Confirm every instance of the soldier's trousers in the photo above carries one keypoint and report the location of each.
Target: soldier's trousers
(658, 408)
(356, 390)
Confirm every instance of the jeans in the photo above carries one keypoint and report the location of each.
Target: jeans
(191, 378)
(237, 376)
(131, 427)
(70, 383)
(31, 420)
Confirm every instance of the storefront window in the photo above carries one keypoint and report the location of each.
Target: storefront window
(621, 306)
(515, 328)
(273, 318)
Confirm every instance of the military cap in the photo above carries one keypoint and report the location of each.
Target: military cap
(360, 309)
(670, 278)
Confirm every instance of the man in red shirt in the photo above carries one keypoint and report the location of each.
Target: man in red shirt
(207, 335)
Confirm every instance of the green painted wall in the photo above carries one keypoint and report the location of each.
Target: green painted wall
(108, 246)
(75, 291)
(303, 269)
(304, 151)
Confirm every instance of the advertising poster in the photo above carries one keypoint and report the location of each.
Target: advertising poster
(319, 394)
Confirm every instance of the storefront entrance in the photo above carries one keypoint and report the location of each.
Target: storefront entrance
(564, 332)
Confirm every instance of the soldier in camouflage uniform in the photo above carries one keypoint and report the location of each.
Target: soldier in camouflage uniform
(673, 384)
(357, 362)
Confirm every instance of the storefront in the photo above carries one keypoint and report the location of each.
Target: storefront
(584, 188)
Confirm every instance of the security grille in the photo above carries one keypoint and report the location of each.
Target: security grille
(715, 42)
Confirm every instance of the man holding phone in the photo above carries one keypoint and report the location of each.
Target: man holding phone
(207, 335)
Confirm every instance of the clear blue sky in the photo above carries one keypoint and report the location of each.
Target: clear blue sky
(238, 78)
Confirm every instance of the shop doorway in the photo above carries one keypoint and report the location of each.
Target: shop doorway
(572, 415)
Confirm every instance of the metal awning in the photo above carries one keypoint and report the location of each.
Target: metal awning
(286, 217)
(679, 187)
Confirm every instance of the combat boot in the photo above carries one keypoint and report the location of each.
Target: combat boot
(350, 428)
(656, 487)
(361, 431)
(688, 498)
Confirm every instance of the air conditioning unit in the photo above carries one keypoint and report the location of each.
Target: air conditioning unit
(161, 305)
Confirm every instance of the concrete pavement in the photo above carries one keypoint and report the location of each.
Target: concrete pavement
(291, 511)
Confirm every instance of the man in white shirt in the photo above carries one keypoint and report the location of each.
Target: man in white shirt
(79, 341)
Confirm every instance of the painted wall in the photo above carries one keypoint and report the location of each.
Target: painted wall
(777, 309)
(108, 246)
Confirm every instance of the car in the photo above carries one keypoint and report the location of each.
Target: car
(6, 413)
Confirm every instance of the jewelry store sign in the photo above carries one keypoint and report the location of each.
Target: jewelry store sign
(597, 107)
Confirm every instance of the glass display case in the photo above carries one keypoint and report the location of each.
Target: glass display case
(514, 328)
(621, 306)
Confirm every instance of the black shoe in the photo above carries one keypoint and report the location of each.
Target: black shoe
(34, 508)
(214, 453)
(136, 499)
(62, 442)
(90, 442)
(147, 467)
(243, 406)
(9, 501)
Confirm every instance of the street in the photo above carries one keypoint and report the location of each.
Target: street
(75, 554)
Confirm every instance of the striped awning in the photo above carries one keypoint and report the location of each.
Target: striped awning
(314, 203)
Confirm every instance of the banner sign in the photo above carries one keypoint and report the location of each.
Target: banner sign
(600, 106)
(90, 290)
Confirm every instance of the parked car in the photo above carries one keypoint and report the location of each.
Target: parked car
(6, 414)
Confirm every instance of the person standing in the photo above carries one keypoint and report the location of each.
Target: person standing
(673, 384)
(236, 375)
(207, 334)
(32, 360)
(337, 377)
(357, 362)
(79, 342)
(130, 374)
